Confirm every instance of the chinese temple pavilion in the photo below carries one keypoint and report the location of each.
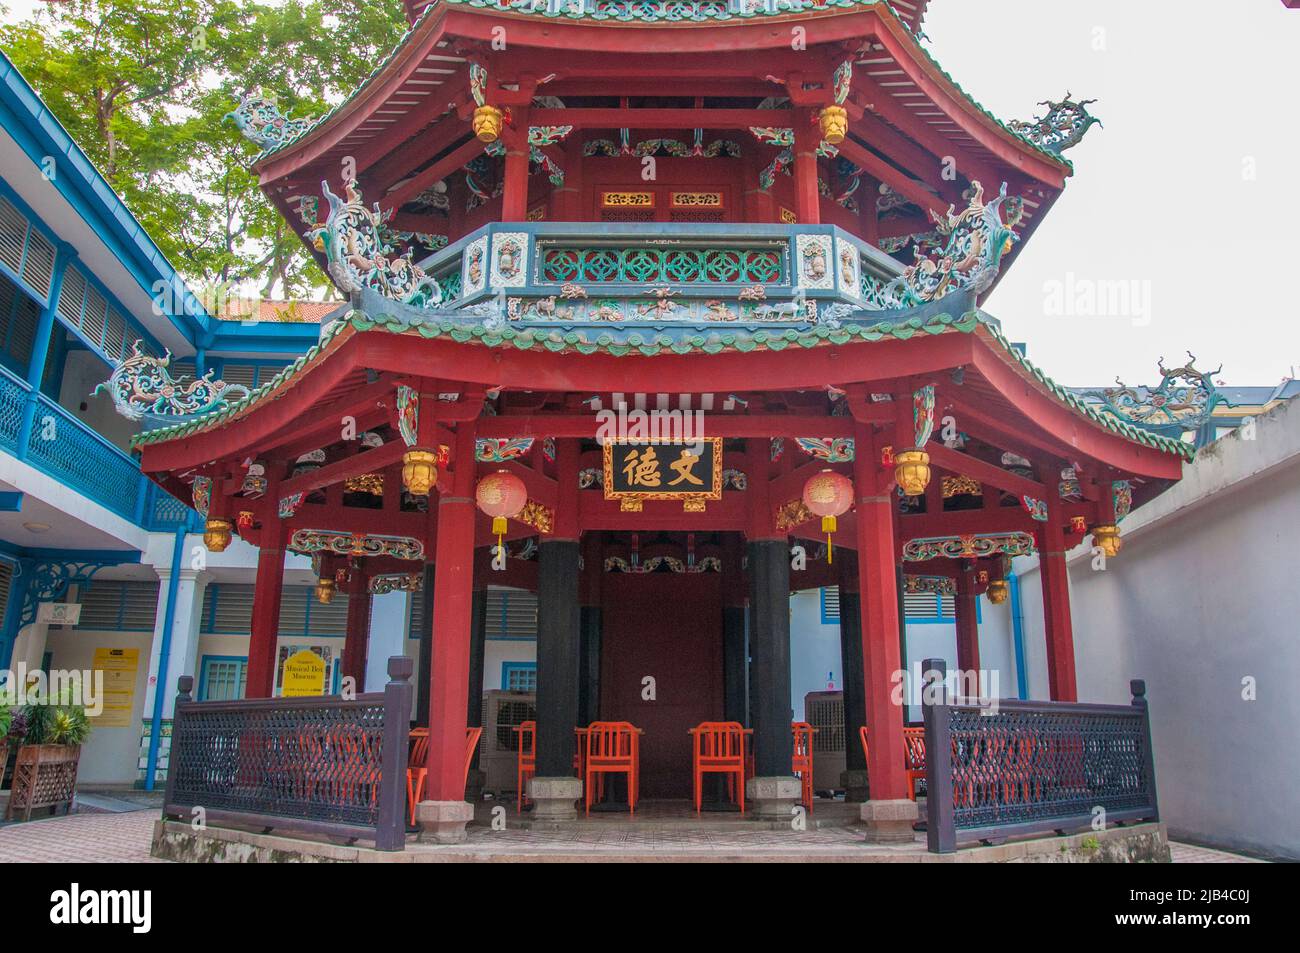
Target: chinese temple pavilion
(568, 228)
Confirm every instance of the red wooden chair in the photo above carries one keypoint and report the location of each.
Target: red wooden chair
(612, 748)
(914, 751)
(417, 766)
(527, 759)
(719, 748)
(802, 762)
(913, 754)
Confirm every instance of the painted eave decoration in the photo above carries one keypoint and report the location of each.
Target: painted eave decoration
(659, 13)
(648, 342)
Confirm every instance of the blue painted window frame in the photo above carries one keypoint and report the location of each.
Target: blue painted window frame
(203, 671)
(827, 617)
(507, 668)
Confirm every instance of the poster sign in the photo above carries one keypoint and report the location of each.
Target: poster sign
(690, 471)
(59, 613)
(119, 667)
(303, 673)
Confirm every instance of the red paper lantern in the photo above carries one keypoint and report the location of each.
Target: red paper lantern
(828, 494)
(501, 495)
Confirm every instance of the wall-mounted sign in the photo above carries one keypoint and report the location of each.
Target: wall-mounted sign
(59, 613)
(697, 200)
(119, 667)
(303, 673)
(664, 470)
(627, 199)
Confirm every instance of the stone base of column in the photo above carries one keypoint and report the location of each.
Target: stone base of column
(855, 786)
(443, 822)
(889, 822)
(474, 783)
(772, 799)
(554, 799)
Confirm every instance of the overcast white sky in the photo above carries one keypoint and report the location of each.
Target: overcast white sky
(1190, 192)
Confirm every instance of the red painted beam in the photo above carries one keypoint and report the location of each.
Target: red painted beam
(444, 167)
(662, 118)
(985, 473)
(896, 180)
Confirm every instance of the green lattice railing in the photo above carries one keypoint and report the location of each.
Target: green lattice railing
(639, 264)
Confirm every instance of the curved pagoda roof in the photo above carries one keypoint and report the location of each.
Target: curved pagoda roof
(407, 126)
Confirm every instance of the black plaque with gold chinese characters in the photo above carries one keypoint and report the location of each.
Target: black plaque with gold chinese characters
(690, 471)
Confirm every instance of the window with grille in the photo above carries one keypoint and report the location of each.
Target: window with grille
(830, 597)
(118, 606)
(19, 314)
(918, 607)
(519, 676)
(222, 678)
(511, 614)
(6, 584)
(228, 610)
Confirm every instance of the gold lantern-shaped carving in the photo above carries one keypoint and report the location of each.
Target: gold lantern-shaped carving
(912, 471)
(829, 495)
(1106, 538)
(216, 535)
(487, 123)
(419, 471)
(998, 591)
(834, 122)
(325, 590)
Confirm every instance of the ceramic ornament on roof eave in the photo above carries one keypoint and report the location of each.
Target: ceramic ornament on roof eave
(142, 388)
(1062, 127)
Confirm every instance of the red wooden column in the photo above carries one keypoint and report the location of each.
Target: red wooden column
(267, 591)
(514, 196)
(889, 813)
(807, 137)
(1057, 626)
(356, 643)
(452, 605)
(968, 633)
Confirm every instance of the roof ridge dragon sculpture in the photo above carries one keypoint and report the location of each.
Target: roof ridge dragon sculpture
(142, 387)
(356, 243)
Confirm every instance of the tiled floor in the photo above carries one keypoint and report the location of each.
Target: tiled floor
(109, 838)
(87, 838)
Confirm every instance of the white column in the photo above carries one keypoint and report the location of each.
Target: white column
(388, 615)
(183, 651)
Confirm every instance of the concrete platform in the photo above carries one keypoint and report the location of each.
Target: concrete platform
(667, 843)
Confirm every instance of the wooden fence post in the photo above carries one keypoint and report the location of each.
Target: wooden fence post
(941, 832)
(390, 833)
(184, 690)
(1138, 688)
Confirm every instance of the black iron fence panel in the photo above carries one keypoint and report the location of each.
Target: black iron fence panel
(1019, 767)
(328, 765)
(320, 761)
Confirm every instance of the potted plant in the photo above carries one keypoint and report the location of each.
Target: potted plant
(45, 771)
(6, 725)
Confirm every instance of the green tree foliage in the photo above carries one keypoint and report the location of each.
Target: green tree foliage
(142, 85)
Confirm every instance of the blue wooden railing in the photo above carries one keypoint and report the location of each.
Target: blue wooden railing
(64, 448)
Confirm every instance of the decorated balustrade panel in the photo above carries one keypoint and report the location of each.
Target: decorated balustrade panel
(326, 765)
(1004, 768)
(660, 272)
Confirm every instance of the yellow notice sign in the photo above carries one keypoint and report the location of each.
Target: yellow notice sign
(119, 667)
(304, 674)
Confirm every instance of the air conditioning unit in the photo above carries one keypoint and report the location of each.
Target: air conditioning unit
(825, 712)
(498, 749)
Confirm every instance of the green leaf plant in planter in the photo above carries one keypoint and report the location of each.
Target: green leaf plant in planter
(45, 772)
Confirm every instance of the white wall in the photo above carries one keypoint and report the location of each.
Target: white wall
(109, 755)
(1203, 596)
(815, 649)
